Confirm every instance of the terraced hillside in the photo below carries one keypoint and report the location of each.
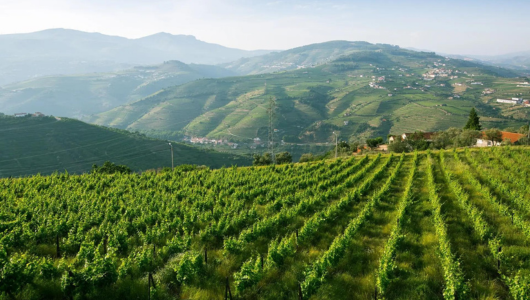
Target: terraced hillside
(441, 225)
(46, 144)
(378, 91)
(86, 94)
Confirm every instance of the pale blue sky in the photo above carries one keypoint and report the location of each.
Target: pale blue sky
(448, 26)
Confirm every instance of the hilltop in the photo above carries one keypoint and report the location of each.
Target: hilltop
(81, 95)
(65, 51)
(374, 92)
(32, 145)
(300, 57)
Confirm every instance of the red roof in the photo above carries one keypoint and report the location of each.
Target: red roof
(513, 137)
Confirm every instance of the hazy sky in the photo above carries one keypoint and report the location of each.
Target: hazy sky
(448, 26)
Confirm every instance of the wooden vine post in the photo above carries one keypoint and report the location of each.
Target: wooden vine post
(151, 281)
(228, 293)
(58, 250)
(300, 294)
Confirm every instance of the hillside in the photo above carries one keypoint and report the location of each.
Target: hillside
(63, 51)
(300, 57)
(32, 145)
(440, 225)
(82, 95)
(365, 93)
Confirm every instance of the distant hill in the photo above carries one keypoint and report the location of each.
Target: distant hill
(300, 57)
(63, 51)
(518, 61)
(81, 95)
(32, 145)
(364, 93)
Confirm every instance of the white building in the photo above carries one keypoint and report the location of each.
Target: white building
(510, 101)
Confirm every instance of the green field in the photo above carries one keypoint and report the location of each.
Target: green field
(44, 145)
(440, 225)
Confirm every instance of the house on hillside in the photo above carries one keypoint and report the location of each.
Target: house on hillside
(392, 138)
(38, 114)
(20, 115)
(506, 136)
(425, 135)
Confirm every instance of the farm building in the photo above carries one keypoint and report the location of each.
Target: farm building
(510, 101)
(506, 136)
(425, 135)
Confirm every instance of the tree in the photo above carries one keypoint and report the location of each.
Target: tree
(262, 160)
(110, 168)
(522, 130)
(284, 158)
(474, 121)
(468, 137)
(399, 146)
(417, 141)
(494, 135)
(373, 143)
(307, 157)
(344, 147)
(523, 141)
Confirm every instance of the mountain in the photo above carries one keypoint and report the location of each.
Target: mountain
(63, 51)
(518, 61)
(365, 93)
(80, 95)
(301, 57)
(32, 145)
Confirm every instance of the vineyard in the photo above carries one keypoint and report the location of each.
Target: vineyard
(429, 225)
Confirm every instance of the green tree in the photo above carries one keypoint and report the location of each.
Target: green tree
(262, 160)
(468, 137)
(307, 157)
(110, 168)
(373, 143)
(523, 141)
(522, 130)
(284, 158)
(399, 146)
(494, 135)
(474, 121)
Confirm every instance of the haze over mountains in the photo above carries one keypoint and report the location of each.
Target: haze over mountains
(82, 95)
(64, 51)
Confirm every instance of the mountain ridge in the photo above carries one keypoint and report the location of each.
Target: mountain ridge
(66, 51)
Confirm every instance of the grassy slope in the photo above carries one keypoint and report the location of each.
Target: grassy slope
(43, 145)
(313, 102)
